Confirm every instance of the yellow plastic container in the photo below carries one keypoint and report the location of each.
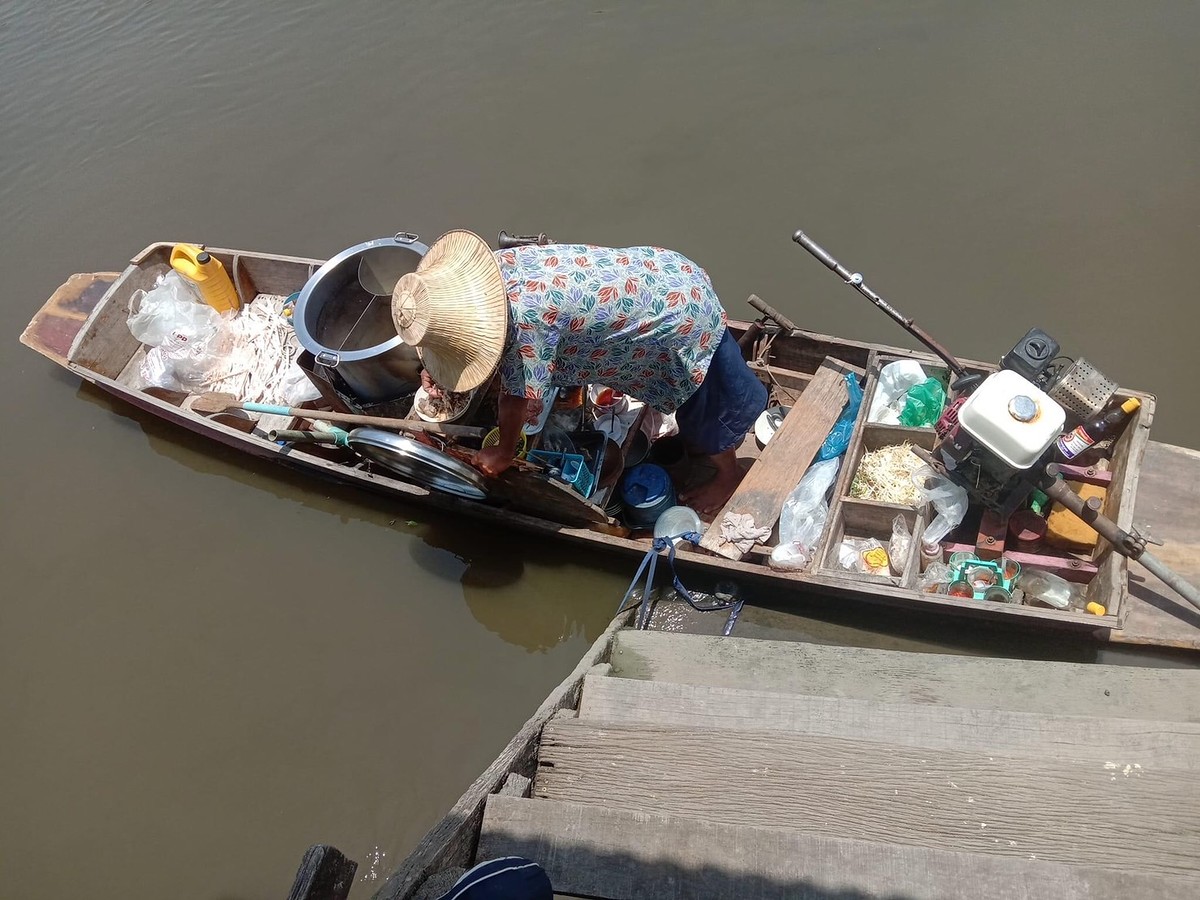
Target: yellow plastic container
(198, 266)
(492, 438)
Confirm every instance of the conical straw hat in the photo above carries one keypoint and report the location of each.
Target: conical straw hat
(454, 310)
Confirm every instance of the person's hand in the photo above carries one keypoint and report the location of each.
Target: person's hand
(492, 461)
(432, 388)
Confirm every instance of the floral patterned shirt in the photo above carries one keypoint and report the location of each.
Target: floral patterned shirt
(641, 320)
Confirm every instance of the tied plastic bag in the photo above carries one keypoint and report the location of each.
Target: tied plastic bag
(899, 544)
(839, 437)
(802, 520)
(296, 387)
(935, 579)
(948, 498)
(171, 311)
(187, 338)
(923, 404)
(865, 555)
(891, 391)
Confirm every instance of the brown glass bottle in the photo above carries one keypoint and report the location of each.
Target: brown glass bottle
(1073, 446)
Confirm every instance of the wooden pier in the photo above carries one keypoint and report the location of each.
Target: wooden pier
(689, 766)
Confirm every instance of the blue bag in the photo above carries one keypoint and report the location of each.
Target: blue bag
(839, 437)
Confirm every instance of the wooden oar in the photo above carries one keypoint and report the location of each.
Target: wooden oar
(209, 404)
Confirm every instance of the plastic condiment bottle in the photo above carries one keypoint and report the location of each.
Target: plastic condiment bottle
(198, 266)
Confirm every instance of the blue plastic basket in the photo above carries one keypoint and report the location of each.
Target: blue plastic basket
(572, 467)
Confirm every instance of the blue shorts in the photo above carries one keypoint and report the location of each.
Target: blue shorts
(722, 411)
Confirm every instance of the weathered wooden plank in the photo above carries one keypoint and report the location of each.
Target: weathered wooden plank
(545, 497)
(927, 678)
(53, 328)
(663, 703)
(784, 459)
(439, 884)
(808, 348)
(104, 343)
(1111, 585)
(452, 841)
(638, 855)
(1168, 500)
(1070, 812)
(516, 785)
(324, 874)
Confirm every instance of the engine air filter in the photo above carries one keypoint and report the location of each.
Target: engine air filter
(1083, 390)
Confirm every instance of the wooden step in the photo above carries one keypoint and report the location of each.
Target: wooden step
(1070, 812)
(986, 731)
(1059, 688)
(617, 853)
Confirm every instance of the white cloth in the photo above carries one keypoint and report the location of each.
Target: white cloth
(739, 529)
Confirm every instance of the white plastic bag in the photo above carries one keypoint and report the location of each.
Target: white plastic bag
(186, 336)
(935, 578)
(864, 555)
(891, 391)
(899, 544)
(171, 311)
(296, 387)
(948, 498)
(156, 370)
(802, 519)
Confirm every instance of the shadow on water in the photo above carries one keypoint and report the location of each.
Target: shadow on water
(516, 590)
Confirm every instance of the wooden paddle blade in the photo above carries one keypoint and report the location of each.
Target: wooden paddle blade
(207, 404)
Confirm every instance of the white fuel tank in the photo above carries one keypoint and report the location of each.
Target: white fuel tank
(1013, 418)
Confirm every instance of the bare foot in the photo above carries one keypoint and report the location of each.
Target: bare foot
(711, 496)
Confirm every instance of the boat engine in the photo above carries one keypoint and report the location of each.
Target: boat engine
(996, 441)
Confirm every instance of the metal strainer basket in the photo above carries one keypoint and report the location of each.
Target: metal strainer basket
(1083, 390)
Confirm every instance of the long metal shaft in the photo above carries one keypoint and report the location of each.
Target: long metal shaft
(855, 280)
(1182, 587)
(1122, 541)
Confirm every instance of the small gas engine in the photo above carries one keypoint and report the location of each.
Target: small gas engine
(997, 437)
(996, 441)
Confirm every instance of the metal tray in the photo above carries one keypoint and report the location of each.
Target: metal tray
(418, 462)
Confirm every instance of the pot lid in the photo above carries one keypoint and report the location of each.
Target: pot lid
(418, 462)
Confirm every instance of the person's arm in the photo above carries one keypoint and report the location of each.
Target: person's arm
(432, 388)
(512, 411)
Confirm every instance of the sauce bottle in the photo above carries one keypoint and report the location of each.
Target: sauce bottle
(198, 266)
(1073, 443)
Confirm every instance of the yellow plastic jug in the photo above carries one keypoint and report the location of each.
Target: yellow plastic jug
(198, 266)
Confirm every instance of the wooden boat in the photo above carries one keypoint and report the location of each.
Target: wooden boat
(82, 327)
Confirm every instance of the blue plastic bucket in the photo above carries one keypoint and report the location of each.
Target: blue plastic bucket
(647, 493)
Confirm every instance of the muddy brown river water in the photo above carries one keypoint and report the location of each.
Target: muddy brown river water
(207, 664)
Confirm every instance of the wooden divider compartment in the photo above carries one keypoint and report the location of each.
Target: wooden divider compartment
(859, 518)
(866, 519)
(1110, 586)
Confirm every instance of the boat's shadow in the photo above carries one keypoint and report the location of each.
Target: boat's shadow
(535, 597)
(495, 565)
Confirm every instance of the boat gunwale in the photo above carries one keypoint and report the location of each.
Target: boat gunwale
(824, 583)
